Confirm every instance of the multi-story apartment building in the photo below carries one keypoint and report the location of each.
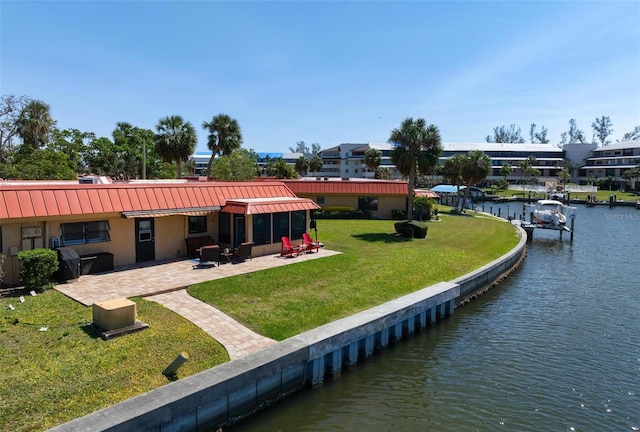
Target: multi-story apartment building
(612, 160)
(347, 160)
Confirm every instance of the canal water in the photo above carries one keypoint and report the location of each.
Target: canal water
(555, 347)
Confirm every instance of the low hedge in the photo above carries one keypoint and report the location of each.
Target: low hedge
(413, 229)
(335, 214)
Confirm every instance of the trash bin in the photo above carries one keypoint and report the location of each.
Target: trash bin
(68, 264)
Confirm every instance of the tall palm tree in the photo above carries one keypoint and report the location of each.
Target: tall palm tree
(35, 123)
(302, 165)
(452, 172)
(224, 136)
(175, 141)
(373, 159)
(315, 164)
(416, 150)
(476, 167)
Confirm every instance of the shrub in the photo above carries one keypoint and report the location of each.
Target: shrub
(411, 229)
(341, 214)
(398, 214)
(36, 268)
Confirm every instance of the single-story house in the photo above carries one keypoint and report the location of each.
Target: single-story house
(380, 197)
(146, 221)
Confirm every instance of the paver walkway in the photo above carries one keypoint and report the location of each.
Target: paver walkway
(236, 338)
(165, 283)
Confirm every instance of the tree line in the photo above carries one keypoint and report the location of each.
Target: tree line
(32, 147)
(602, 129)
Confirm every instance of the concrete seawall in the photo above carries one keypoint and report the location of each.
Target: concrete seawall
(221, 395)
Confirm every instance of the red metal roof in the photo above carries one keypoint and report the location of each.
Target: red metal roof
(269, 205)
(347, 187)
(51, 199)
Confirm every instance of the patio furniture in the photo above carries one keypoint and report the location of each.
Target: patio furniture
(243, 252)
(194, 244)
(309, 244)
(209, 256)
(287, 249)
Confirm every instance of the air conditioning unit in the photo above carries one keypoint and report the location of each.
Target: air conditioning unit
(88, 180)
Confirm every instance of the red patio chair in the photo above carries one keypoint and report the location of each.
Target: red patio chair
(287, 249)
(309, 244)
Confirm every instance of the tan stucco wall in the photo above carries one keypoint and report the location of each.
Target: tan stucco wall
(170, 234)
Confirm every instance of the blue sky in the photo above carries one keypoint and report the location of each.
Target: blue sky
(327, 72)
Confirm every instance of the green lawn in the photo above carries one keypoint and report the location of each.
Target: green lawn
(50, 377)
(375, 267)
(53, 376)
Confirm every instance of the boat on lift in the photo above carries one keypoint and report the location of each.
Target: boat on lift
(551, 214)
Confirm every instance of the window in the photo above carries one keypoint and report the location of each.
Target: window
(84, 232)
(320, 200)
(280, 225)
(298, 224)
(224, 228)
(262, 229)
(197, 224)
(368, 203)
(97, 232)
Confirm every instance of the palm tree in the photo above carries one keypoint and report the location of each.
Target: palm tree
(416, 150)
(373, 159)
(35, 123)
(452, 172)
(302, 165)
(224, 136)
(175, 141)
(527, 170)
(315, 164)
(476, 166)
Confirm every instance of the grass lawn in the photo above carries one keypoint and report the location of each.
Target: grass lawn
(53, 376)
(601, 195)
(375, 267)
(50, 377)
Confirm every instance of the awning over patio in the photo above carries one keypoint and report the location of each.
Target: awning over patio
(425, 192)
(199, 211)
(268, 205)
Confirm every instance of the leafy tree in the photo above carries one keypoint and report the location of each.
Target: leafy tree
(241, 165)
(130, 155)
(373, 159)
(40, 164)
(633, 135)
(416, 148)
(224, 137)
(175, 141)
(279, 168)
(602, 128)
(573, 135)
(74, 144)
(315, 164)
(505, 135)
(384, 174)
(302, 165)
(35, 123)
(303, 148)
(538, 137)
(476, 166)
(11, 107)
